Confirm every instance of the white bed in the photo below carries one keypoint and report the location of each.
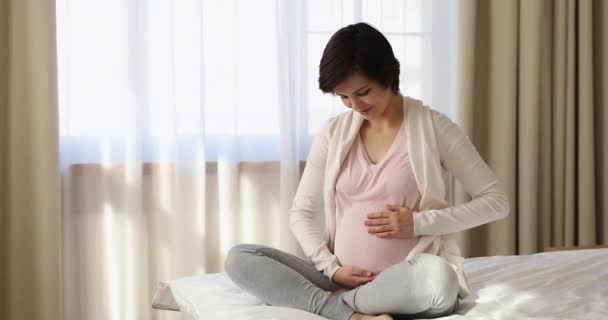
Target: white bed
(550, 285)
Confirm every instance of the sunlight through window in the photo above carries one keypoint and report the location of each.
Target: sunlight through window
(183, 79)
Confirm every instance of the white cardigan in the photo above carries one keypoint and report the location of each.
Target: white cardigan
(437, 147)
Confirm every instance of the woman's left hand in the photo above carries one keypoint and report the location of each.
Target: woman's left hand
(397, 222)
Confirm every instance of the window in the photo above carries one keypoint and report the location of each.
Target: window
(163, 73)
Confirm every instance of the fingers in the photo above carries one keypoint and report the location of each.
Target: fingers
(358, 276)
(360, 272)
(362, 280)
(377, 221)
(392, 208)
(362, 276)
(382, 214)
(384, 228)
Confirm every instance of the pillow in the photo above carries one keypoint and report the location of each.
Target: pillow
(216, 296)
(163, 298)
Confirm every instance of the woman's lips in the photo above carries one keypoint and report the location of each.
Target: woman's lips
(366, 111)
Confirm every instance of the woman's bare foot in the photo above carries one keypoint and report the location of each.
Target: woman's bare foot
(361, 316)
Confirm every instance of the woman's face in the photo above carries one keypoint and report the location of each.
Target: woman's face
(364, 95)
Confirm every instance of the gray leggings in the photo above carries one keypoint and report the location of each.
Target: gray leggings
(425, 286)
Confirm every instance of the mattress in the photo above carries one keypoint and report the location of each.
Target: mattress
(550, 285)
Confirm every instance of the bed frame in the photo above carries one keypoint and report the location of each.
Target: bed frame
(565, 248)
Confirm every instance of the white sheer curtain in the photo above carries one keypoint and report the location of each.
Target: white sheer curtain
(185, 124)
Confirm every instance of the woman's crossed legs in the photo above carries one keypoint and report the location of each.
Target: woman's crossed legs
(423, 287)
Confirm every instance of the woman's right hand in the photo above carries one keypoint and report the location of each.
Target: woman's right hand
(352, 277)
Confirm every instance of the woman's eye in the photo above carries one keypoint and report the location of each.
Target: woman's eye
(363, 93)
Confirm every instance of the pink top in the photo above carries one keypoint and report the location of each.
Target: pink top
(363, 187)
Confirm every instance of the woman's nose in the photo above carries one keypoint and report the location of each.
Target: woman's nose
(357, 104)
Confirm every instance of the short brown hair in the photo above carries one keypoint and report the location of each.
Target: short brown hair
(358, 47)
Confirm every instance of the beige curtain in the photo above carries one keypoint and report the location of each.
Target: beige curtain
(30, 220)
(533, 99)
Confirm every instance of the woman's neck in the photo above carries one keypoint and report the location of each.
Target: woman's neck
(391, 118)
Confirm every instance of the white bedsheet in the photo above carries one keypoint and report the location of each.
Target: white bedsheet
(552, 285)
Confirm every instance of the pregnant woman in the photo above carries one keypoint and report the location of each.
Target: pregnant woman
(380, 173)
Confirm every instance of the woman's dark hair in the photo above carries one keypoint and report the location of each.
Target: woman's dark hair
(358, 47)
